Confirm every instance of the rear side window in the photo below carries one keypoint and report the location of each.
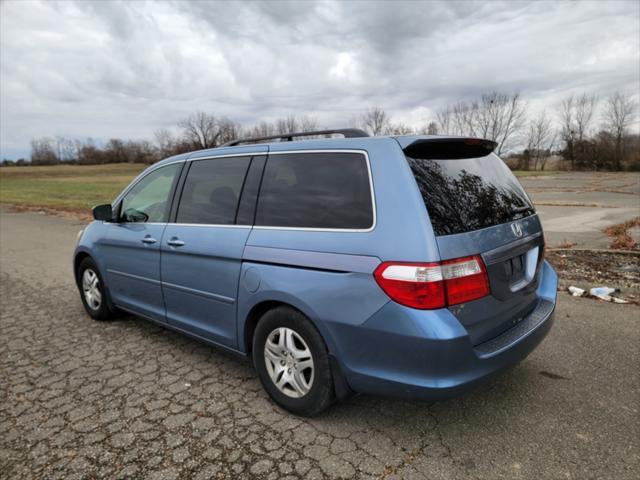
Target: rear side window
(468, 194)
(316, 190)
(212, 190)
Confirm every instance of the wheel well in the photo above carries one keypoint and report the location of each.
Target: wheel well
(252, 320)
(341, 386)
(76, 263)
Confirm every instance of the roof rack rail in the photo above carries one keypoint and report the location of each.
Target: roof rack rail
(346, 132)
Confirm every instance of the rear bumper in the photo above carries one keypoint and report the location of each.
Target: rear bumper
(403, 352)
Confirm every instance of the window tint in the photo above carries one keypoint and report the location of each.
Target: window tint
(148, 200)
(247, 207)
(469, 194)
(316, 190)
(211, 191)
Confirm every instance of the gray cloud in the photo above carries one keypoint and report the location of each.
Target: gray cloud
(116, 69)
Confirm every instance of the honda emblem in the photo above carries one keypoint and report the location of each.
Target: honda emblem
(516, 228)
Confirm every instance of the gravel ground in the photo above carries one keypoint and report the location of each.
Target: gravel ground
(586, 269)
(128, 399)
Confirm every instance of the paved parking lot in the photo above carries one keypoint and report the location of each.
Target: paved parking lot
(576, 206)
(128, 399)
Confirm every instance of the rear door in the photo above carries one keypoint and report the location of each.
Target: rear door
(477, 206)
(202, 248)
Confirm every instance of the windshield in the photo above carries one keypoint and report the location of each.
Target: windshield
(463, 195)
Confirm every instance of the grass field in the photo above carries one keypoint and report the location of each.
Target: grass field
(76, 188)
(65, 187)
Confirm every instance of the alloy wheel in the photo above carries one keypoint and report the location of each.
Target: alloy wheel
(289, 362)
(91, 289)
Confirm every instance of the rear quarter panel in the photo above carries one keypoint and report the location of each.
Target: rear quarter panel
(325, 297)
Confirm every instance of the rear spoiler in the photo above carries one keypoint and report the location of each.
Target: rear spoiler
(449, 148)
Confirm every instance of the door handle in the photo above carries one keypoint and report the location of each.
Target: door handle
(149, 240)
(175, 242)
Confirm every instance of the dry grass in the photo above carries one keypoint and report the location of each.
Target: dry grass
(564, 244)
(533, 173)
(573, 204)
(621, 240)
(64, 188)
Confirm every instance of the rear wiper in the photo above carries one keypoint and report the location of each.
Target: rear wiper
(526, 208)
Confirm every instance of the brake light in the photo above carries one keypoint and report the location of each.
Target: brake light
(434, 285)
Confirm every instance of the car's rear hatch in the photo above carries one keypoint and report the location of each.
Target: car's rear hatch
(477, 206)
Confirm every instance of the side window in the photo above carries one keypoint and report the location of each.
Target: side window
(212, 190)
(316, 190)
(148, 200)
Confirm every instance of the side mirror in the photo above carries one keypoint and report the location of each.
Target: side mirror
(103, 212)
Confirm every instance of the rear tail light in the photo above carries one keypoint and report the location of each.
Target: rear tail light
(434, 285)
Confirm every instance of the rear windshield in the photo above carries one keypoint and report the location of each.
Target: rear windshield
(468, 194)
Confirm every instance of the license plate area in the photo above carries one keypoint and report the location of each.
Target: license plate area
(512, 268)
(521, 269)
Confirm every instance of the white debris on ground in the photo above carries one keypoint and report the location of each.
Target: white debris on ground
(602, 293)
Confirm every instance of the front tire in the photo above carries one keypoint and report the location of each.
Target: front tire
(93, 291)
(292, 362)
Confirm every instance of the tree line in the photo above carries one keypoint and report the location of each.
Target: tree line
(584, 132)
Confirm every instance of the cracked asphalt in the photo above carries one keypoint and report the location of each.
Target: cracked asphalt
(576, 207)
(128, 399)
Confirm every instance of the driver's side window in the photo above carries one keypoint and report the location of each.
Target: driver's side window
(148, 200)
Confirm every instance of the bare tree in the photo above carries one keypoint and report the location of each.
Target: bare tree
(496, 116)
(541, 139)
(501, 117)
(201, 129)
(576, 116)
(293, 123)
(287, 124)
(444, 121)
(89, 153)
(308, 124)
(164, 141)
(262, 129)
(567, 120)
(619, 113)
(375, 121)
(116, 151)
(464, 119)
(399, 129)
(229, 130)
(140, 151)
(65, 150)
(43, 151)
(584, 109)
(585, 106)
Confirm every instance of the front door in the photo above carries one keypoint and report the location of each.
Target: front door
(132, 246)
(202, 250)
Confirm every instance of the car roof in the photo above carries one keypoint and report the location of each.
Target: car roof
(357, 143)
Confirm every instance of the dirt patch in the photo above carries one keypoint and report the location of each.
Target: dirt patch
(586, 269)
(573, 204)
(620, 237)
(564, 244)
(69, 213)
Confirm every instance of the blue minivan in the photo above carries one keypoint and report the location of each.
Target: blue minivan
(409, 266)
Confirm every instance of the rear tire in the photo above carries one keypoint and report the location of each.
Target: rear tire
(292, 362)
(93, 291)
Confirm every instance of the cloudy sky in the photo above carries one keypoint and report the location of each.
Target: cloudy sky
(109, 69)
